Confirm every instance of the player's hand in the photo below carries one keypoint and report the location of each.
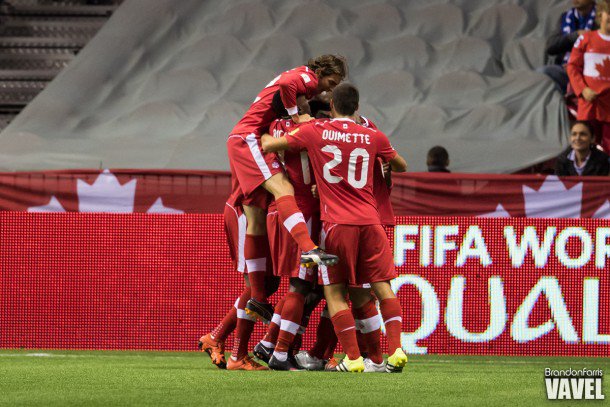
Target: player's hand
(589, 94)
(266, 139)
(314, 191)
(295, 118)
(305, 118)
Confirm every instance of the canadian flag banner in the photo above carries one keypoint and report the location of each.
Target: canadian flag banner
(415, 194)
(115, 191)
(501, 196)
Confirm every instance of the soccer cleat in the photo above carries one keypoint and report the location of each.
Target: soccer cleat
(318, 256)
(259, 310)
(396, 362)
(288, 365)
(347, 365)
(331, 365)
(306, 361)
(245, 363)
(372, 367)
(263, 352)
(215, 349)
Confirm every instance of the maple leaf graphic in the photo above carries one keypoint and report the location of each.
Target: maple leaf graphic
(106, 194)
(604, 68)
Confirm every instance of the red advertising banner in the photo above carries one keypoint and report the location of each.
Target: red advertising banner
(413, 194)
(467, 285)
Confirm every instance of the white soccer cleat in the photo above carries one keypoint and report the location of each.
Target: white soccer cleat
(306, 361)
(372, 367)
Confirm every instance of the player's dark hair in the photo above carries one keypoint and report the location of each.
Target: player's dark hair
(345, 99)
(278, 106)
(438, 156)
(585, 123)
(329, 65)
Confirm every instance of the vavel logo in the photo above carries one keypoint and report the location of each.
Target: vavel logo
(582, 384)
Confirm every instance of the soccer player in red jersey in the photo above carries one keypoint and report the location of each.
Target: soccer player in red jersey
(341, 152)
(258, 175)
(214, 342)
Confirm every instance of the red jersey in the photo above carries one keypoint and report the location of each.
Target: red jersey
(297, 81)
(343, 155)
(589, 66)
(298, 170)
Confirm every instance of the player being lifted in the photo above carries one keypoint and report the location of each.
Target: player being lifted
(342, 154)
(257, 175)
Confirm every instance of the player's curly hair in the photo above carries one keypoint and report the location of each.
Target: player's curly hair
(329, 65)
(602, 5)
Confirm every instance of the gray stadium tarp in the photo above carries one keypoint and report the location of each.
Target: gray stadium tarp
(164, 81)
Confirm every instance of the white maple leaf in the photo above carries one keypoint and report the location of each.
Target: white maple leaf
(603, 212)
(106, 194)
(52, 206)
(553, 200)
(500, 212)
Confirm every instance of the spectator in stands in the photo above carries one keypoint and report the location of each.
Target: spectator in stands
(572, 24)
(589, 72)
(438, 159)
(582, 157)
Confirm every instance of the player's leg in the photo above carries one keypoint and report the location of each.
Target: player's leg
(235, 230)
(292, 314)
(368, 325)
(240, 360)
(345, 327)
(214, 342)
(264, 349)
(293, 220)
(256, 251)
(376, 265)
(392, 318)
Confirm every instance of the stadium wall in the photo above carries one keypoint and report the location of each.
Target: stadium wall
(513, 286)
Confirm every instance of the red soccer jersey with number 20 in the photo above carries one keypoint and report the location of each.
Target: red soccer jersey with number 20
(343, 155)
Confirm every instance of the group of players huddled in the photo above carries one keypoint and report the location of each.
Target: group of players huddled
(309, 200)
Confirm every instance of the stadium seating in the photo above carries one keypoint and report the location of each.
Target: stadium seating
(38, 38)
(163, 82)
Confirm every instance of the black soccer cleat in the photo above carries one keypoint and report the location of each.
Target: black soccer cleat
(318, 256)
(288, 364)
(262, 352)
(260, 310)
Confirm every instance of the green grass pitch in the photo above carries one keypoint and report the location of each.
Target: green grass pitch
(65, 378)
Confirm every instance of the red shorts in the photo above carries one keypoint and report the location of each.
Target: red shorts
(364, 255)
(285, 252)
(251, 167)
(235, 229)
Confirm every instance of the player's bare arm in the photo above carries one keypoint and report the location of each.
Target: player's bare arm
(271, 144)
(398, 164)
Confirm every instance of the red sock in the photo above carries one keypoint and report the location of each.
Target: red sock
(392, 317)
(227, 325)
(244, 328)
(256, 253)
(345, 328)
(369, 328)
(270, 338)
(292, 313)
(324, 335)
(293, 220)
